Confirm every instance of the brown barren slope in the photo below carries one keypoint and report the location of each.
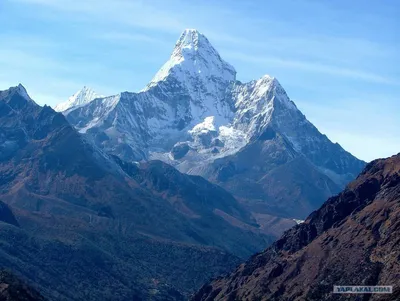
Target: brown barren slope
(353, 239)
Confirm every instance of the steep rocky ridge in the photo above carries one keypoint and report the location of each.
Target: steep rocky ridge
(353, 239)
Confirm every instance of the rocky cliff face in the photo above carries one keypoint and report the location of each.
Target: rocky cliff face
(353, 239)
(196, 116)
(110, 229)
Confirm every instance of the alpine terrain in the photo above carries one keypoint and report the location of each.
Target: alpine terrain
(249, 138)
(80, 224)
(353, 239)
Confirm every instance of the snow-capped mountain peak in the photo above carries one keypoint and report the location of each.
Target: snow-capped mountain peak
(194, 59)
(197, 78)
(194, 45)
(189, 40)
(194, 112)
(82, 97)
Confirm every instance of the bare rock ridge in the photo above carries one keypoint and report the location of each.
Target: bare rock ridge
(196, 116)
(353, 239)
(76, 217)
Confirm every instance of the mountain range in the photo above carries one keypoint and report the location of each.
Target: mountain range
(74, 216)
(148, 195)
(249, 138)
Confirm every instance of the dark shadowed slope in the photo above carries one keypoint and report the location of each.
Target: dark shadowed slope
(6, 216)
(95, 228)
(12, 289)
(353, 239)
(270, 177)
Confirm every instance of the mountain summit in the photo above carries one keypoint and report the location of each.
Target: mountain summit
(194, 64)
(83, 96)
(17, 97)
(250, 138)
(197, 73)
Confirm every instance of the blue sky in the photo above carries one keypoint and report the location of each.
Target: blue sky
(338, 60)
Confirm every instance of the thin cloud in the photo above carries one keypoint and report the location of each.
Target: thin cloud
(314, 67)
(299, 53)
(161, 18)
(365, 146)
(129, 37)
(12, 59)
(130, 13)
(355, 132)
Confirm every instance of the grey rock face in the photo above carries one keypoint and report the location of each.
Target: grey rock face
(180, 150)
